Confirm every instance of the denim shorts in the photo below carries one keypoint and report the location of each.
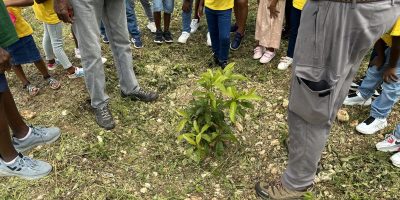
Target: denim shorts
(163, 5)
(24, 51)
(3, 83)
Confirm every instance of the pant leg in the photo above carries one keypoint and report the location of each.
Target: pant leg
(212, 23)
(224, 26)
(295, 15)
(288, 13)
(333, 39)
(56, 37)
(115, 23)
(397, 131)
(168, 6)
(158, 6)
(147, 9)
(47, 47)
(187, 18)
(102, 29)
(88, 15)
(372, 79)
(131, 19)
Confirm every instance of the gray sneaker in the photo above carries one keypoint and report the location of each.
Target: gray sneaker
(104, 117)
(39, 136)
(26, 168)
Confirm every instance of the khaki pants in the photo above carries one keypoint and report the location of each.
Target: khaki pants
(332, 41)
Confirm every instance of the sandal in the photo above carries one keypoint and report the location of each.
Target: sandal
(53, 83)
(32, 90)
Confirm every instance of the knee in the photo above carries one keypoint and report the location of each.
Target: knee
(169, 7)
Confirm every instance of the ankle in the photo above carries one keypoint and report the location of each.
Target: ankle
(22, 133)
(71, 70)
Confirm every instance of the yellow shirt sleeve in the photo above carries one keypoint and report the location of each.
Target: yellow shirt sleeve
(219, 4)
(299, 4)
(21, 25)
(44, 12)
(394, 32)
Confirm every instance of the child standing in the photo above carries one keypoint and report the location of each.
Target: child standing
(53, 38)
(24, 51)
(218, 13)
(391, 143)
(168, 7)
(187, 26)
(268, 29)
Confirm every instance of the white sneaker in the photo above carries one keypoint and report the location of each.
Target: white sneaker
(285, 63)
(390, 144)
(267, 57)
(356, 99)
(209, 40)
(78, 73)
(396, 159)
(103, 60)
(371, 125)
(77, 53)
(194, 25)
(152, 27)
(258, 52)
(25, 167)
(184, 37)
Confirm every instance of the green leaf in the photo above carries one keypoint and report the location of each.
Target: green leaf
(232, 111)
(250, 97)
(229, 137)
(219, 149)
(204, 128)
(230, 93)
(181, 125)
(198, 138)
(196, 126)
(229, 68)
(182, 113)
(206, 137)
(189, 139)
(238, 77)
(220, 79)
(247, 104)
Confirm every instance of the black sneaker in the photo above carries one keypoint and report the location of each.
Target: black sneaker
(159, 39)
(141, 95)
(234, 28)
(104, 118)
(168, 37)
(237, 41)
(222, 64)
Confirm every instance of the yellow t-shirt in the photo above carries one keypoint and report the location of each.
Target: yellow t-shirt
(21, 26)
(219, 4)
(387, 37)
(299, 4)
(45, 12)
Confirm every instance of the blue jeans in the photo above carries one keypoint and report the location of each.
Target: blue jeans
(397, 131)
(163, 5)
(219, 26)
(382, 105)
(187, 18)
(295, 16)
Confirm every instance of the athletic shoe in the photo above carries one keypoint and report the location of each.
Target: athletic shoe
(152, 27)
(390, 144)
(37, 136)
(184, 37)
(104, 117)
(258, 52)
(396, 159)
(354, 85)
(141, 95)
(356, 99)
(25, 167)
(51, 66)
(375, 95)
(78, 73)
(371, 125)
(168, 37)
(267, 57)
(104, 39)
(277, 191)
(194, 25)
(209, 40)
(159, 39)
(285, 63)
(77, 53)
(237, 40)
(137, 43)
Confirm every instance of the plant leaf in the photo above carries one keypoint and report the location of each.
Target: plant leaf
(198, 138)
(196, 126)
(219, 149)
(181, 125)
(232, 111)
(206, 137)
(188, 139)
(204, 128)
(228, 69)
(248, 97)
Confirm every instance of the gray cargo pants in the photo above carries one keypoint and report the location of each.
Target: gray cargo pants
(332, 41)
(86, 28)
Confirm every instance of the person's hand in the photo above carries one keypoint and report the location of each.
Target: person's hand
(64, 11)
(186, 6)
(5, 64)
(389, 75)
(378, 61)
(272, 10)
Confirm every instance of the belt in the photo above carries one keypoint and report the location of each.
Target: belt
(355, 1)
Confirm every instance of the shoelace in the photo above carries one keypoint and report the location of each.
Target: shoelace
(143, 92)
(38, 131)
(238, 37)
(104, 113)
(28, 162)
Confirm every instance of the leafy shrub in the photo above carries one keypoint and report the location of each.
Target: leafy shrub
(205, 125)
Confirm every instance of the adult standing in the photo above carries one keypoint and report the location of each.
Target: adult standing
(334, 36)
(85, 17)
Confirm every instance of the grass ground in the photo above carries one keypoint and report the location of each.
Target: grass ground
(140, 158)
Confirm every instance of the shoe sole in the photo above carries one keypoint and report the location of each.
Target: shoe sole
(367, 103)
(6, 174)
(38, 144)
(158, 42)
(262, 196)
(233, 49)
(169, 41)
(137, 99)
(389, 149)
(369, 133)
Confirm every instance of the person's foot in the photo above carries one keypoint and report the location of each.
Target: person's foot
(209, 39)
(354, 85)
(141, 95)
(234, 28)
(31, 89)
(277, 191)
(78, 53)
(267, 57)
(356, 99)
(104, 39)
(77, 74)
(258, 52)
(152, 27)
(184, 37)
(395, 159)
(168, 37)
(237, 40)
(222, 64)
(35, 137)
(25, 167)
(53, 83)
(137, 43)
(104, 117)
(194, 25)
(51, 66)
(375, 95)
(371, 125)
(390, 144)
(159, 38)
(285, 63)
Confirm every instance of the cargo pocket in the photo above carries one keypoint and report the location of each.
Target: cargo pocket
(311, 100)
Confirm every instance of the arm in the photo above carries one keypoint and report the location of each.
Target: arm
(389, 75)
(379, 59)
(201, 8)
(19, 3)
(4, 61)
